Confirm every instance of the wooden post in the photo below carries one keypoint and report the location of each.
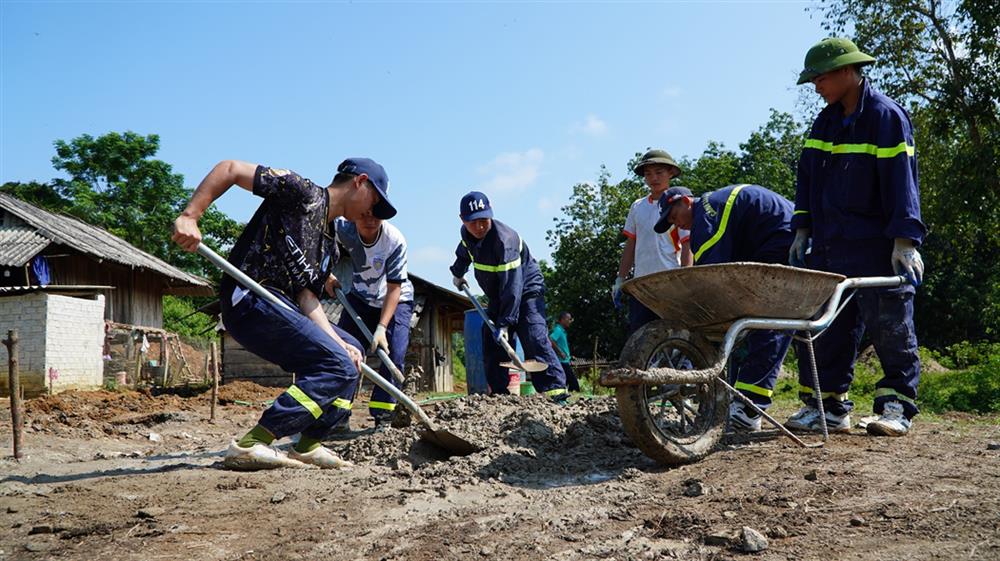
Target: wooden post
(208, 361)
(165, 351)
(15, 391)
(215, 380)
(138, 362)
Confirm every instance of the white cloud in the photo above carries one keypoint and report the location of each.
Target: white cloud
(670, 91)
(547, 203)
(512, 171)
(592, 125)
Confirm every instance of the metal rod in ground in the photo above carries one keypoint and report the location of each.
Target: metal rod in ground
(215, 380)
(817, 390)
(15, 392)
(746, 401)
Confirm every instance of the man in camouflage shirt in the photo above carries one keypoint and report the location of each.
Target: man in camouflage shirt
(283, 247)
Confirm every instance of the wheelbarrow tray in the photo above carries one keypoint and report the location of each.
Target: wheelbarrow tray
(709, 298)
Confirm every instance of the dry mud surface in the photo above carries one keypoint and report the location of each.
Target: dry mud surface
(550, 482)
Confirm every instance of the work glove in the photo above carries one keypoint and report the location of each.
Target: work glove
(906, 261)
(502, 336)
(459, 282)
(379, 339)
(797, 253)
(616, 293)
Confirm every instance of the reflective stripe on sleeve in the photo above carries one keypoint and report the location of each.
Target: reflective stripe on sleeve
(722, 225)
(800, 212)
(754, 389)
(305, 401)
(342, 403)
(870, 149)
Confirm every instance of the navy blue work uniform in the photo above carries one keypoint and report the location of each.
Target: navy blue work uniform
(282, 248)
(857, 190)
(512, 281)
(747, 223)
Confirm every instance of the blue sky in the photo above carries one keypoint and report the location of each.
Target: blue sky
(520, 100)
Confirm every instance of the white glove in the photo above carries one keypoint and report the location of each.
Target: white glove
(616, 293)
(906, 261)
(459, 282)
(797, 252)
(379, 339)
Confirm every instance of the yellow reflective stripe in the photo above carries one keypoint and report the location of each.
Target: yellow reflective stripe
(557, 391)
(804, 389)
(754, 389)
(889, 392)
(497, 268)
(870, 149)
(305, 401)
(342, 403)
(722, 225)
(381, 405)
(800, 212)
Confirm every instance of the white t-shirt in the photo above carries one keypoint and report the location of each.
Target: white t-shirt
(653, 252)
(375, 264)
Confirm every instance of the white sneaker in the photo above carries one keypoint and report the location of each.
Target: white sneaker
(807, 419)
(320, 456)
(892, 421)
(740, 419)
(257, 457)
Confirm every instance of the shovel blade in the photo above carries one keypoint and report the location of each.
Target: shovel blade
(455, 445)
(529, 365)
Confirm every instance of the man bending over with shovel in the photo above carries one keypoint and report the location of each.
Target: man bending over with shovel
(511, 279)
(282, 248)
(381, 294)
(738, 223)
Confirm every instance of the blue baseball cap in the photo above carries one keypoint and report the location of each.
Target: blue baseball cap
(474, 206)
(667, 200)
(376, 174)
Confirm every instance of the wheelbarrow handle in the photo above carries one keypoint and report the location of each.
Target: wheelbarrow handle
(342, 298)
(264, 293)
(493, 329)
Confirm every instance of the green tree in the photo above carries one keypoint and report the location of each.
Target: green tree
(43, 195)
(942, 61)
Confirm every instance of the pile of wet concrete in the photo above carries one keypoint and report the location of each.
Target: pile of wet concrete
(523, 440)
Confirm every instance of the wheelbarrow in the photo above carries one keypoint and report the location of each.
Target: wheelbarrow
(673, 398)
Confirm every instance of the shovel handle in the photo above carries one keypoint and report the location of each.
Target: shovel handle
(264, 293)
(342, 298)
(496, 334)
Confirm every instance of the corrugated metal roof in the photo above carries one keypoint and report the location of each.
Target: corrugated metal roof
(19, 245)
(94, 241)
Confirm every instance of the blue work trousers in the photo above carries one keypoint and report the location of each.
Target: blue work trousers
(886, 314)
(533, 334)
(381, 405)
(638, 315)
(325, 376)
(757, 367)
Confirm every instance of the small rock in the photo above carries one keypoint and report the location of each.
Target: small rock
(993, 446)
(486, 551)
(693, 488)
(812, 475)
(627, 535)
(752, 541)
(729, 514)
(11, 510)
(777, 532)
(718, 539)
(41, 529)
(37, 547)
(150, 512)
(278, 497)
(857, 521)
(155, 437)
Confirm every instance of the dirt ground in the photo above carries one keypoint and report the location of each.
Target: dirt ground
(129, 475)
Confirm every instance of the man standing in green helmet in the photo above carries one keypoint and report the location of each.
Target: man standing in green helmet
(857, 200)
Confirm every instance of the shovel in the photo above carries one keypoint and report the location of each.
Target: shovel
(441, 438)
(530, 365)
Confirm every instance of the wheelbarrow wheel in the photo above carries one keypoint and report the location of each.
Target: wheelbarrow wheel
(672, 423)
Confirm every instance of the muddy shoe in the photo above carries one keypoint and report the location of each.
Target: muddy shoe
(892, 421)
(743, 419)
(257, 457)
(807, 420)
(320, 456)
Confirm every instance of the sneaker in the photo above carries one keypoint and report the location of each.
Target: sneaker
(892, 421)
(807, 419)
(382, 424)
(743, 419)
(320, 456)
(257, 457)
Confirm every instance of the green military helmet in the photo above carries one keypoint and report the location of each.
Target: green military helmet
(830, 54)
(656, 157)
